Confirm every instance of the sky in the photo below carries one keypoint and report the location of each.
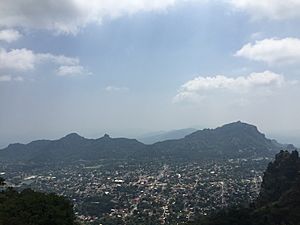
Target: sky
(135, 66)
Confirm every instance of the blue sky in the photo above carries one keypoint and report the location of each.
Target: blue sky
(131, 67)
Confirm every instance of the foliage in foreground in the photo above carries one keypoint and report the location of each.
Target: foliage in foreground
(34, 208)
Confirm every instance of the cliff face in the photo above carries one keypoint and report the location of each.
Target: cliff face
(280, 176)
(279, 199)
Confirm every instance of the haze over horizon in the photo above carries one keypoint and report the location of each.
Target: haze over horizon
(141, 66)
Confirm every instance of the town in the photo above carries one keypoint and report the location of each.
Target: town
(129, 192)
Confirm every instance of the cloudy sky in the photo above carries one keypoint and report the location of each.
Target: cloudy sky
(134, 66)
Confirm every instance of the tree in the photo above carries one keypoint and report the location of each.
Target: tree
(2, 181)
(34, 208)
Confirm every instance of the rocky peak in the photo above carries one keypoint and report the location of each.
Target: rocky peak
(280, 176)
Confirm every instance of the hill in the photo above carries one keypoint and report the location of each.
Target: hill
(71, 147)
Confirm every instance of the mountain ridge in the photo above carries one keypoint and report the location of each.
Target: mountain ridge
(235, 139)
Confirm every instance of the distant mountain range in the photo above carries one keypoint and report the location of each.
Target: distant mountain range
(152, 138)
(229, 141)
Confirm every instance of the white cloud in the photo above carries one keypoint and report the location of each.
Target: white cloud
(71, 70)
(9, 35)
(26, 60)
(116, 89)
(272, 50)
(17, 59)
(57, 59)
(270, 9)
(10, 78)
(69, 16)
(200, 87)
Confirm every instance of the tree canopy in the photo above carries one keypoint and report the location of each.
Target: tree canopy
(34, 208)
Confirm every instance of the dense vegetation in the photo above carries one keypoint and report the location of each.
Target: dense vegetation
(34, 208)
(279, 200)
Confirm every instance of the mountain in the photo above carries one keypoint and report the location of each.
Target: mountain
(71, 147)
(232, 140)
(278, 202)
(163, 136)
